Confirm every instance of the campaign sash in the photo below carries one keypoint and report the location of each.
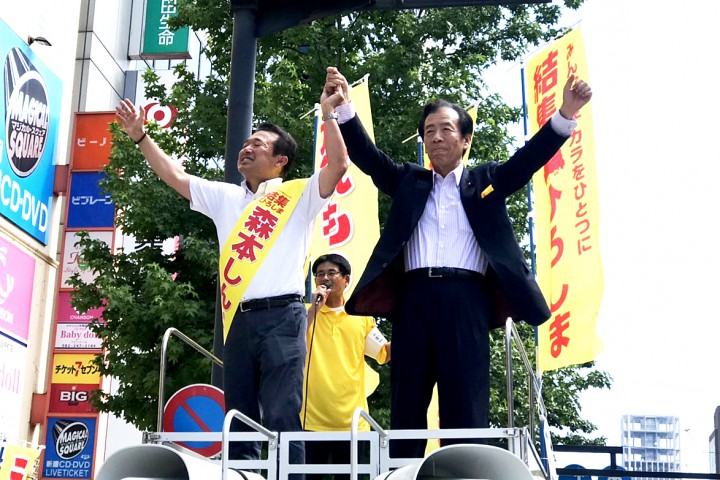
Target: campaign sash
(250, 241)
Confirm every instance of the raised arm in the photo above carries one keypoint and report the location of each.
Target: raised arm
(333, 95)
(385, 173)
(576, 94)
(132, 120)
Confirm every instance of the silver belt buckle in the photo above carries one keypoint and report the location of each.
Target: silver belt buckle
(430, 273)
(242, 310)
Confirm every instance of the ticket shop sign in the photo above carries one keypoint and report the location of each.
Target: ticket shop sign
(29, 120)
(78, 368)
(70, 447)
(17, 273)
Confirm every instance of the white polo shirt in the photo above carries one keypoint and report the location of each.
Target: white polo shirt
(282, 271)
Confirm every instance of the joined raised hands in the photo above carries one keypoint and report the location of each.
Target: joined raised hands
(335, 91)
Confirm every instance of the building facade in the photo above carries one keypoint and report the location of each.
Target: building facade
(651, 443)
(66, 66)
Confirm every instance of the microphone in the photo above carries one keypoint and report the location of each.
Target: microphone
(319, 298)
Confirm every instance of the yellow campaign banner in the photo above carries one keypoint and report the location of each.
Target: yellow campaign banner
(472, 111)
(569, 268)
(75, 368)
(349, 224)
(18, 462)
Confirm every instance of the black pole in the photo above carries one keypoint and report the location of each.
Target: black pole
(242, 88)
(239, 128)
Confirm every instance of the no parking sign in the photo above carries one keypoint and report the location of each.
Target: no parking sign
(196, 408)
(618, 468)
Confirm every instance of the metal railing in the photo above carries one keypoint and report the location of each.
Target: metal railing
(534, 397)
(613, 471)
(170, 332)
(354, 430)
(520, 440)
(271, 437)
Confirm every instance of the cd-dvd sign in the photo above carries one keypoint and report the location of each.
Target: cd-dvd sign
(27, 113)
(70, 438)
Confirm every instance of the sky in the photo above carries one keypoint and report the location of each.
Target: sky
(655, 108)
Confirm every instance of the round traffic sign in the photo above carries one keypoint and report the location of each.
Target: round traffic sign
(196, 408)
(615, 477)
(574, 466)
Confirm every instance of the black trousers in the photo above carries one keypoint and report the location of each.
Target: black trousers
(263, 364)
(440, 334)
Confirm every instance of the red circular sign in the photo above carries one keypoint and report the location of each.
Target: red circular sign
(196, 408)
(163, 115)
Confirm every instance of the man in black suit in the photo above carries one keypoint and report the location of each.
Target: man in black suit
(447, 267)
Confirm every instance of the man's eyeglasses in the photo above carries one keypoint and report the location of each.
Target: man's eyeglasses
(330, 275)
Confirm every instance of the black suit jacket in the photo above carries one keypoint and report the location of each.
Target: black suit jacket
(483, 191)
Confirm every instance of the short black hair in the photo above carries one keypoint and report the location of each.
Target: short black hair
(284, 145)
(466, 123)
(341, 262)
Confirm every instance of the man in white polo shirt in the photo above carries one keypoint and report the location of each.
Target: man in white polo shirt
(264, 228)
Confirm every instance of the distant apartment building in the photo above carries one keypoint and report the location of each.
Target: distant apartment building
(651, 443)
(714, 440)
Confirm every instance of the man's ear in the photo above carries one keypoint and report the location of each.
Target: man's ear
(468, 141)
(281, 161)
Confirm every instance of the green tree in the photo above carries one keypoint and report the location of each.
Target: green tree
(411, 57)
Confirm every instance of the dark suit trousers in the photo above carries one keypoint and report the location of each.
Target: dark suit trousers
(439, 334)
(263, 364)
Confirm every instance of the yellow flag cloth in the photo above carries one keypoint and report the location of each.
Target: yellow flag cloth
(348, 225)
(569, 269)
(18, 462)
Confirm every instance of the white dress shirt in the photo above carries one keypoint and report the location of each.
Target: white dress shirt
(443, 237)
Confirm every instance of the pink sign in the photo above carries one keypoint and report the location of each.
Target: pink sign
(67, 314)
(17, 274)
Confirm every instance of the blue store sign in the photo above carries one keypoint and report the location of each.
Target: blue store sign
(70, 446)
(89, 207)
(29, 119)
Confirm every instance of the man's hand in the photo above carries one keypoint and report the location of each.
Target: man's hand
(131, 119)
(335, 91)
(575, 95)
(321, 292)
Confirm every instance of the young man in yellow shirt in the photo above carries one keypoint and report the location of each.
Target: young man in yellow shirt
(335, 369)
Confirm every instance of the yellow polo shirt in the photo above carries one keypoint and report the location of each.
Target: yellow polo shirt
(335, 370)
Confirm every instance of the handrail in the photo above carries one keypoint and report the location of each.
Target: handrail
(232, 414)
(535, 387)
(354, 428)
(163, 363)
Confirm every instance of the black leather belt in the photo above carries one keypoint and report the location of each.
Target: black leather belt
(270, 302)
(443, 272)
